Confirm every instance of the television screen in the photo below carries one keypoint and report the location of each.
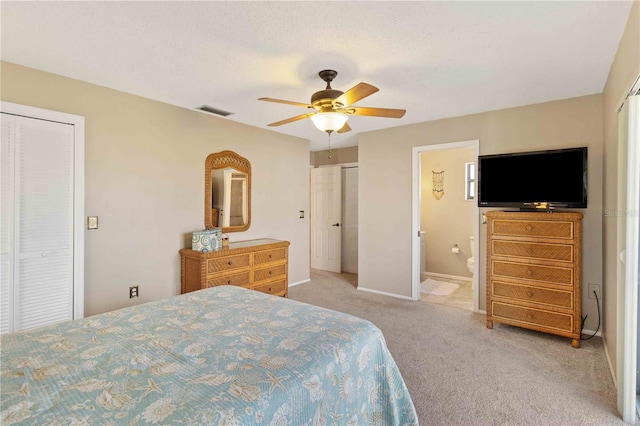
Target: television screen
(528, 180)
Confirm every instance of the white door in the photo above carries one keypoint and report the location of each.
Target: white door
(6, 226)
(326, 221)
(38, 223)
(628, 263)
(350, 220)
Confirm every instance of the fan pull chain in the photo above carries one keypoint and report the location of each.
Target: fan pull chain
(329, 137)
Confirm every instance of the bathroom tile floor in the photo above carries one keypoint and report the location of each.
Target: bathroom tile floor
(462, 297)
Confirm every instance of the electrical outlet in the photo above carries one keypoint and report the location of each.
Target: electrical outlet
(594, 288)
(133, 292)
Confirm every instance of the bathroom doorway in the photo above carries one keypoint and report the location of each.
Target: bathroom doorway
(445, 220)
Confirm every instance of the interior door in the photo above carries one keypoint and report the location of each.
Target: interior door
(6, 228)
(326, 220)
(38, 262)
(628, 264)
(350, 220)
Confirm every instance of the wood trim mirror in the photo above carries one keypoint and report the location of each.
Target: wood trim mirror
(227, 192)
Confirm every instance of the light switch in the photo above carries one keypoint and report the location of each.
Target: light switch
(92, 222)
(301, 214)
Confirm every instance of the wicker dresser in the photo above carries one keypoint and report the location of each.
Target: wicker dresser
(260, 265)
(534, 271)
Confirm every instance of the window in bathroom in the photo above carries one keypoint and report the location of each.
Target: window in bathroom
(469, 181)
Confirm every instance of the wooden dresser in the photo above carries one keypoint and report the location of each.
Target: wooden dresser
(534, 271)
(260, 265)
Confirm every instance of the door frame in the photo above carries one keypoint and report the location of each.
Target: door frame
(78, 188)
(415, 218)
(343, 166)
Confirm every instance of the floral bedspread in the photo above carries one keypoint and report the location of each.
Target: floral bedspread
(222, 356)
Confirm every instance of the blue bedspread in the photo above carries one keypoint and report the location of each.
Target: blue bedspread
(223, 356)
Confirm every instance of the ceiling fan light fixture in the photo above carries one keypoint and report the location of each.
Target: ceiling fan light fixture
(329, 121)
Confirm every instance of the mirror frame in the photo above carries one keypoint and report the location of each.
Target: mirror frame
(221, 160)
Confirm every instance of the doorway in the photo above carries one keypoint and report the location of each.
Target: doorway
(334, 218)
(42, 256)
(456, 248)
(628, 268)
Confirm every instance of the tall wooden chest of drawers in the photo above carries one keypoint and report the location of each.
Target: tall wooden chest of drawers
(534, 265)
(260, 265)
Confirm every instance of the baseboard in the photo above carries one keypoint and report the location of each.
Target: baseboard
(384, 293)
(588, 333)
(299, 282)
(453, 277)
(611, 370)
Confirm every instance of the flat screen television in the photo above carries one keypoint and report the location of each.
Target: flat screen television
(546, 180)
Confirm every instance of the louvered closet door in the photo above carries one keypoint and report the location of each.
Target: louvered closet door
(42, 291)
(6, 221)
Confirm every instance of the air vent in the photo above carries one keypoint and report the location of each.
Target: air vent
(212, 110)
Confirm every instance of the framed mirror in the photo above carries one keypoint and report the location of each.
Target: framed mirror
(227, 192)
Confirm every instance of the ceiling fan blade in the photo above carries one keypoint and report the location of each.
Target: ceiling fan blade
(377, 112)
(356, 93)
(345, 128)
(280, 101)
(291, 120)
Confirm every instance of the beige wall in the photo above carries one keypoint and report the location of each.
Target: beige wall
(338, 156)
(623, 72)
(385, 159)
(144, 178)
(449, 220)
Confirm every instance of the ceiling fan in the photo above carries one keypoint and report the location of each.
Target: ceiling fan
(332, 108)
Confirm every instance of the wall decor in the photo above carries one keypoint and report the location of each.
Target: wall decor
(437, 188)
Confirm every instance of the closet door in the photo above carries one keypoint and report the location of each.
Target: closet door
(6, 222)
(40, 239)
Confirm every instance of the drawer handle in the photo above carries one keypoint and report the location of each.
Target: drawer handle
(269, 289)
(528, 228)
(529, 293)
(529, 251)
(270, 256)
(229, 263)
(529, 317)
(269, 272)
(529, 272)
(228, 281)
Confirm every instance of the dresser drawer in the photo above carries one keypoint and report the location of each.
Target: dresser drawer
(544, 296)
(267, 256)
(273, 288)
(533, 317)
(266, 274)
(549, 274)
(241, 279)
(531, 228)
(227, 263)
(560, 252)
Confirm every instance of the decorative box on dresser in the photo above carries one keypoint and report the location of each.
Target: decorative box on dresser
(260, 265)
(534, 265)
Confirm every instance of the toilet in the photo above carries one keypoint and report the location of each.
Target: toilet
(470, 261)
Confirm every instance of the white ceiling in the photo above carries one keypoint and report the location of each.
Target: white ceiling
(434, 59)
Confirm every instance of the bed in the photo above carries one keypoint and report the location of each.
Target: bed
(224, 355)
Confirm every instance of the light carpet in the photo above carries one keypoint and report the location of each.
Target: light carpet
(438, 288)
(461, 373)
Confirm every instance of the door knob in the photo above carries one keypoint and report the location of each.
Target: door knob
(336, 224)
